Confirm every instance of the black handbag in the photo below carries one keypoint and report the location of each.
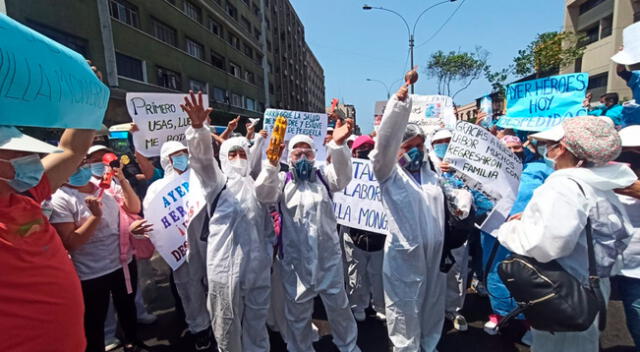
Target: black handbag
(549, 297)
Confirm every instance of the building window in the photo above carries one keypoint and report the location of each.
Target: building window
(598, 81)
(234, 41)
(168, 78)
(78, 44)
(198, 86)
(124, 11)
(256, 9)
(219, 95)
(236, 100)
(247, 50)
(250, 104)
(232, 10)
(215, 27)
(249, 77)
(130, 67)
(193, 11)
(605, 26)
(591, 35)
(268, 45)
(218, 60)
(165, 33)
(256, 33)
(588, 5)
(235, 70)
(245, 23)
(195, 49)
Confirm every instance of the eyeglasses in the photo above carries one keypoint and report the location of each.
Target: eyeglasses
(297, 153)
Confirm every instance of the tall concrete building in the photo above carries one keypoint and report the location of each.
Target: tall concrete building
(218, 46)
(315, 83)
(601, 22)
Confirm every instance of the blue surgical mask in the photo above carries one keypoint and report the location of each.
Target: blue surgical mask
(97, 169)
(28, 172)
(81, 177)
(180, 162)
(551, 163)
(412, 160)
(440, 149)
(303, 168)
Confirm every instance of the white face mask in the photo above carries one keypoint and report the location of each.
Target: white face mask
(239, 166)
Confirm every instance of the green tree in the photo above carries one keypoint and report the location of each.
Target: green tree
(547, 53)
(456, 67)
(498, 78)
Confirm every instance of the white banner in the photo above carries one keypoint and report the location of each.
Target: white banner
(483, 163)
(166, 210)
(159, 118)
(359, 205)
(432, 112)
(311, 124)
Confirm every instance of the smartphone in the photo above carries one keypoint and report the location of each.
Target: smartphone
(119, 142)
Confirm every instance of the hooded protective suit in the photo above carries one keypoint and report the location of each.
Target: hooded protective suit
(192, 292)
(413, 284)
(232, 244)
(311, 262)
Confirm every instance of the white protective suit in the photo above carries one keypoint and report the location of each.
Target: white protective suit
(414, 287)
(553, 228)
(192, 292)
(312, 262)
(236, 259)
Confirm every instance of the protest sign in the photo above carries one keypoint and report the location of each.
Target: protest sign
(159, 118)
(311, 124)
(483, 163)
(359, 205)
(540, 104)
(166, 210)
(45, 84)
(432, 112)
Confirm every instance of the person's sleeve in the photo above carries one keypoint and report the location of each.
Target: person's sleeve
(339, 172)
(255, 156)
(62, 209)
(394, 122)
(551, 223)
(634, 80)
(268, 184)
(201, 159)
(42, 191)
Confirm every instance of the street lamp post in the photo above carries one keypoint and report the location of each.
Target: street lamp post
(409, 30)
(384, 84)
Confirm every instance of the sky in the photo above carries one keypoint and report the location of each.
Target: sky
(353, 44)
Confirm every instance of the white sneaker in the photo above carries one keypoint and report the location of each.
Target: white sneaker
(146, 318)
(381, 316)
(359, 315)
(112, 344)
(491, 327)
(460, 323)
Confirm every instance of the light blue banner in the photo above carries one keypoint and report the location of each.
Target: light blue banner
(540, 104)
(45, 84)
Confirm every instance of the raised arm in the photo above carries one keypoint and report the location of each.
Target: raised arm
(200, 146)
(74, 144)
(394, 121)
(339, 172)
(269, 184)
(231, 126)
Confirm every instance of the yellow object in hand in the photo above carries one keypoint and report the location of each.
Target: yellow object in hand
(277, 138)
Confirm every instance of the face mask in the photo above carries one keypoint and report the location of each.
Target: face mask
(303, 168)
(97, 169)
(180, 162)
(28, 172)
(363, 154)
(543, 150)
(412, 160)
(239, 166)
(440, 149)
(81, 177)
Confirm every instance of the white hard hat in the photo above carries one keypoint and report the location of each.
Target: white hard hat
(12, 139)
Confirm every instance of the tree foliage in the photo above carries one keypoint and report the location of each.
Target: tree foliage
(547, 53)
(456, 67)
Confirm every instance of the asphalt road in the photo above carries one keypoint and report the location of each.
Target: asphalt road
(169, 333)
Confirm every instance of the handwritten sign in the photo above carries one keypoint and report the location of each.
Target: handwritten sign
(483, 163)
(543, 103)
(166, 210)
(432, 112)
(159, 118)
(359, 205)
(311, 124)
(45, 84)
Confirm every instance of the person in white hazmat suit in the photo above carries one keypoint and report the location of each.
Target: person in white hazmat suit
(237, 261)
(310, 259)
(413, 285)
(174, 159)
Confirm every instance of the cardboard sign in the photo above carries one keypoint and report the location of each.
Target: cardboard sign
(432, 112)
(45, 84)
(167, 211)
(359, 205)
(483, 163)
(311, 124)
(540, 104)
(159, 118)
